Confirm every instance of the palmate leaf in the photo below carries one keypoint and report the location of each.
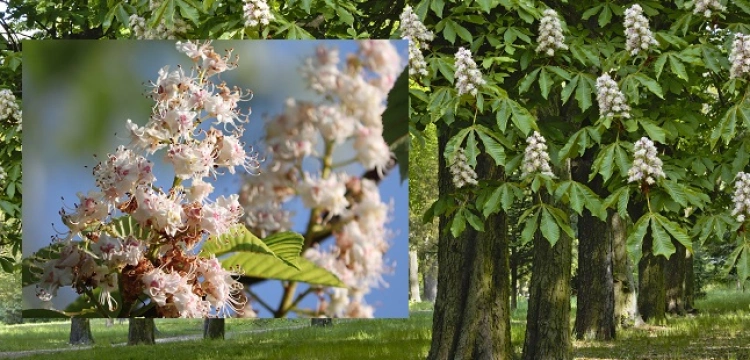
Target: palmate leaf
(286, 245)
(240, 239)
(269, 267)
(549, 228)
(662, 243)
(635, 239)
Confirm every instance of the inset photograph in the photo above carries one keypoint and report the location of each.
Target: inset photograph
(215, 179)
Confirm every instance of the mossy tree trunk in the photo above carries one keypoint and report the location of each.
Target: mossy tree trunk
(213, 328)
(651, 285)
(548, 317)
(141, 331)
(595, 300)
(472, 316)
(675, 274)
(80, 332)
(625, 289)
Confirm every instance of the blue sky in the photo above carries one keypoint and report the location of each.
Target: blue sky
(78, 96)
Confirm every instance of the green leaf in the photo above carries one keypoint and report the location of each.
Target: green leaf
(527, 81)
(474, 220)
(726, 128)
(675, 191)
(678, 68)
(6, 263)
(650, 84)
(458, 225)
(487, 5)
(124, 226)
(621, 197)
(286, 245)
(503, 113)
(396, 122)
(579, 195)
(622, 159)
(522, 118)
(188, 11)
(677, 232)
(449, 31)
(165, 12)
(455, 142)
(604, 162)
(583, 94)
(529, 228)
(549, 228)
(545, 83)
(711, 56)
(568, 89)
(463, 33)
(472, 150)
(635, 239)
(654, 131)
(238, 239)
(605, 16)
(502, 197)
(662, 243)
(493, 148)
(659, 64)
(269, 267)
(345, 16)
(437, 6)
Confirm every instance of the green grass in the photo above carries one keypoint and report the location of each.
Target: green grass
(721, 330)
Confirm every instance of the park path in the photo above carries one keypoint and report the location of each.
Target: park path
(229, 335)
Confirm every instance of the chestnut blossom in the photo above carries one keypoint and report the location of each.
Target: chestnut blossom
(257, 12)
(611, 100)
(419, 39)
(140, 237)
(535, 158)
(9, 109)
(143, 31)
(327, 193)
(468, 78)
(740, 56)
(707, 7)
(462, 172)
(638, 35)
(550, 37)
(741, 197)
(646, 164)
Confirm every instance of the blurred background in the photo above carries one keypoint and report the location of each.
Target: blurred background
(78, 96)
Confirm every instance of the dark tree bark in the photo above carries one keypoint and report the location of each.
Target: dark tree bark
(322, 322)
(513, 280)
(548, 317)
(472, 316)
(595, 318)
(141, 331)
(80, 332)
(675, 280)
(625, 289)
(430, 280)
(651, 295)
(213, 328)
(689, 282)
(414, 277)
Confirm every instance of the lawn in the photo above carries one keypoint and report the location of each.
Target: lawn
(721, 330)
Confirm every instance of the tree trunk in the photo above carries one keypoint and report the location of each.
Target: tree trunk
(430, 280)
(651, 294)
(213, 328)
(548, 317)
(674, 276)
(80, 332)
(414, 277)
(595, 318)
(513, 279)
(472, 316)
(626, 308)
(141, 331)
(322, 322)
(689, 282)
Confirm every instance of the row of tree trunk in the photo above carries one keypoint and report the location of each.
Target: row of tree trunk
(471, 319)
(140, 331)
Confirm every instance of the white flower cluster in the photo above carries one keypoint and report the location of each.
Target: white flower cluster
(142, 31)
(536, 158)
(9, 109)
(611, 100)
(161, 264)
(462, 172)
(637, 32)
(707, 7)
(740, 56)
(646, 163)
(257, 12)
(350, 117)
(551, 37)
(741, 197)
(468, 78)
(419, 37)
